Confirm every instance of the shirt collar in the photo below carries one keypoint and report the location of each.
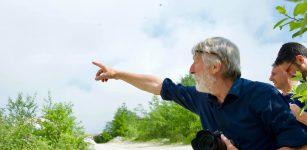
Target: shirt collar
(235, 88)
(232, 95)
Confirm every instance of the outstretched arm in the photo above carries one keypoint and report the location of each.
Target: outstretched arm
(147, 83)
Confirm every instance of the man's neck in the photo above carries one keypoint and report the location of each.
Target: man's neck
(285, 91)
(222, 88)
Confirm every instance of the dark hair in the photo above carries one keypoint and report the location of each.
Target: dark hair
(289, 51)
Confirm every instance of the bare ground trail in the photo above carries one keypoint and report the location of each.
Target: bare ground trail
(139, 146)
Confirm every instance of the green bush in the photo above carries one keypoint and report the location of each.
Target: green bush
(23, 129)
(103, 137)
(165, 120)
(168, 120)
(61, 130)
(122, 125)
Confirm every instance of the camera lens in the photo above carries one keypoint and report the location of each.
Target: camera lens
(206, 140)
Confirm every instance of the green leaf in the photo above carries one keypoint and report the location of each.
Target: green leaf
(298, 76)
(296, 96)
(281, 10)
(280, 22)
(300, 9)
(304, 93)
(301, 88)
(302, 110)
(294, 0)
(302, 99)
(304, 24)
(294, 25)
(281, 26)
(300, 32)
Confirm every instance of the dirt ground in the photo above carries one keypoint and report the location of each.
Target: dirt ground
(139, 146)
(119, 144)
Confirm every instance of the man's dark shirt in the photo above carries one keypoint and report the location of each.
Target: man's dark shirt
(254, 114)
(299, 104)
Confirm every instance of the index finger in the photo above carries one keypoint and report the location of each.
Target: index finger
(99, 65)
(227, 142)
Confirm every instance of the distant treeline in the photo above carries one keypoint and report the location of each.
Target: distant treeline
(56, 128)
(165, 121)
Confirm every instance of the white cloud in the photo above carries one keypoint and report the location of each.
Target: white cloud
(49, 45)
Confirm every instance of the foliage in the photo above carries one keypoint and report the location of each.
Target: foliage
(17, 128)
(168, 120)
(188, 80)
(296, 22)
(22, 128)
(103, 137)
(60, 127)
(20, 110)
(165, 120)
(119, 124)
(122, 125)
(300, 91)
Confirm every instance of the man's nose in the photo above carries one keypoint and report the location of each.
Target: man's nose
(271, 78)
(192, 70)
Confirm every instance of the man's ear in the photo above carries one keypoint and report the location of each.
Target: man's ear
(300, 59)
(216, 68)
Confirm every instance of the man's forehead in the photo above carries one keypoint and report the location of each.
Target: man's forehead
(197, 55)
(276, 69)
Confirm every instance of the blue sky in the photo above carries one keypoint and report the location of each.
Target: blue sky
(49, 45)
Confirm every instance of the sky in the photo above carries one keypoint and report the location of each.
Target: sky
(49, 46)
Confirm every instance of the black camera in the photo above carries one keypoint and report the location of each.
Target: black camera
(207, 140)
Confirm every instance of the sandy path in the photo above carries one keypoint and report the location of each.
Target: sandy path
(139, 146)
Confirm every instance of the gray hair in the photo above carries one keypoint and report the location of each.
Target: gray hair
(218, 49)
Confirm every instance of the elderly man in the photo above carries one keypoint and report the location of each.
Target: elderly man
(253, 114)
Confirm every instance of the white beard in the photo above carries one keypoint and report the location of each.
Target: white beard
(205, 82)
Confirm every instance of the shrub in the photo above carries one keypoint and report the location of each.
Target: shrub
(165, 120)
(103, 137)
(21, 128)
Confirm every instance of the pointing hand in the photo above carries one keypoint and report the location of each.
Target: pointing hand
(104, 73)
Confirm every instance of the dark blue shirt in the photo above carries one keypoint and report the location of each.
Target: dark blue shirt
(299, 104)
(254, 114)
(295, 101)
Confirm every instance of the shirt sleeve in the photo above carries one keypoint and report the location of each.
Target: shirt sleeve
(182, 95)
(274, 112)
